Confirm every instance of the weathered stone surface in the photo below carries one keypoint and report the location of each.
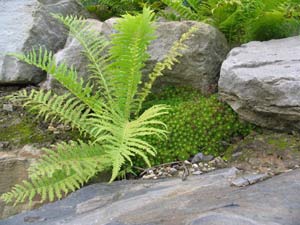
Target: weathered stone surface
(207, 200)
(199, 66)
(249, 179)
(261, 82)
(13, 169)
(26, 24)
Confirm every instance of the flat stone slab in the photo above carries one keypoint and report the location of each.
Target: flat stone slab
(205, 200)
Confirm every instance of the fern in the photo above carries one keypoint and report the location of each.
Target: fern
(105, 109)
(235, 18)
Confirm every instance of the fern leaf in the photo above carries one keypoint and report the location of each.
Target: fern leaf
(128, 55)
(94, 46)
(169, 60)
(74, 156)
(51, 107)
(127, 137)
(183, 11)
(66, 76)
(60, 171)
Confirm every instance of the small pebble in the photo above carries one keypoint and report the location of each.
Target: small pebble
(172, 171)
(195, 166)
(197, 173)
(150, 176)
(187, 162)
(8, 107)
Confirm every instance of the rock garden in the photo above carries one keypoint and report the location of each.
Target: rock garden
(147, 112)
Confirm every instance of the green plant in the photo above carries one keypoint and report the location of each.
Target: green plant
(106, 111)
(243, 20)
(196, 123)
(109, 8)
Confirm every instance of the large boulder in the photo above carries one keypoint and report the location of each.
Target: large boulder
(199, 66)
(27, 24)
(261, 82)
(200, 63)
(200, 200)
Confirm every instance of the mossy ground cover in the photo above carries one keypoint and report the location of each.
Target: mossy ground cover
(18, 127)
(266, 152)
(196, 124)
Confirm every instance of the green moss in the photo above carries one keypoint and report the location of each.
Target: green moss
(195, 123)
(24, 132)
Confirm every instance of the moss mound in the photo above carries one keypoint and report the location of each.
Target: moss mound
(196, 123)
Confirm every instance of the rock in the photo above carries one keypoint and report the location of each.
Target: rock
(261, 82)
(240, 182)
(249, 179)
(217, 162)
(201, 157)
(197, 172)
(8, 107)
(27, 24)
(199, 66)
(13, 169)
(149, 176)
(254, 178)
(207, 200)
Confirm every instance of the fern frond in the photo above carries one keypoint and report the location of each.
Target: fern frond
(127, 137)
(60, 171)
(169, 60)
(128, 55)
(51, 107)
(75, 156)
(44, 60)
(46, 187)
(184, 11)
(94, 46)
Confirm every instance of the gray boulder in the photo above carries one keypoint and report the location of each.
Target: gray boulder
(205, 200)
(199, 66)
(26, 24)
(261, 82)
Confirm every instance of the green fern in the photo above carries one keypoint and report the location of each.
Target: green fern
(105, 109)
(240, 20)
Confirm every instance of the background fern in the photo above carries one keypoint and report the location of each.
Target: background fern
(104, 110)
(243, 20)
(105, 9)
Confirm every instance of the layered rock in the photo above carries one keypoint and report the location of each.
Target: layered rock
(207, 200)
(261, 82)
(13, 169)
(27, 24)
(199, 66)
